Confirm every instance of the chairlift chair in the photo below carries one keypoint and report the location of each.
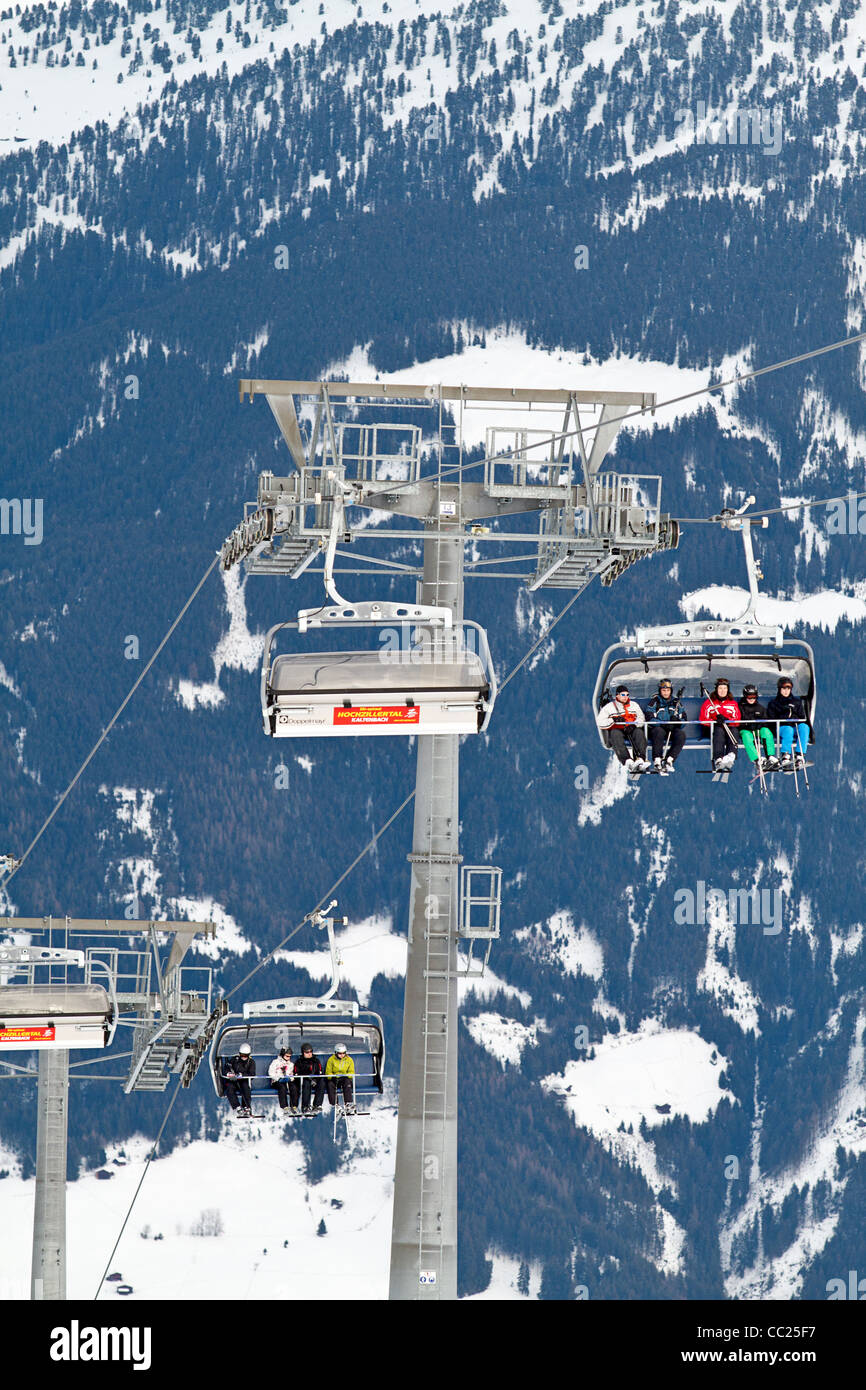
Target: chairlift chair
(694, 655)
(271, 1024)
(440, 682)
(40, 1017)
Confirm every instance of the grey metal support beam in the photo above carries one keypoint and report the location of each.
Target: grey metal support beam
(48, 1273)
(415, 391)
(424, 1232)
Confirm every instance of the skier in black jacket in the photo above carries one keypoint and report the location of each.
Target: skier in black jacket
(790, 710)
(666, 720)
(308, 1067)
(236, 1081)
(754, 731)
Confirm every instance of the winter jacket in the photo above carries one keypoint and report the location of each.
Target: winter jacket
(280, 1069)
(614, 714)
(307, 1066)
(788, 710)
(751, 714)
(713, 706)
(340, 1066)
(241, 1066)
(663, 711)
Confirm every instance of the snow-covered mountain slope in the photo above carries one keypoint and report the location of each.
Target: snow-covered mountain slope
(430, 171)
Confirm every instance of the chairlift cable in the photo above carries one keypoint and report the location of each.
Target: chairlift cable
(107, 730)
(325, 896)
(150, 1157)
(770, 511)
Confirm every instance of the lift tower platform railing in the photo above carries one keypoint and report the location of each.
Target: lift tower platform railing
(64, 984)
(347, 454)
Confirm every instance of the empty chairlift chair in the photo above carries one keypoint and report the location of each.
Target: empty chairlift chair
(442, 684)
(40, 1016)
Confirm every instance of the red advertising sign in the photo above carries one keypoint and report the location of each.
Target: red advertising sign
(377, 714)
(15, 1035)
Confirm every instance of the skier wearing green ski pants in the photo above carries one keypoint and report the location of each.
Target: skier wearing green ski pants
(753, 733)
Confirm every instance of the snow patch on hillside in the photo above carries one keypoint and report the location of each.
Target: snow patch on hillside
(134, 808)
(644, 1078)
(488, 985)
(504, 1279)
(825, 609)
(365, 949)
(8, 683)
(604, 792)
(844, 945)
(641, 1077)
(228, 937)
(237, 650)
(504, 1038)
(781, 1277)
(574, 949)
(734, 996)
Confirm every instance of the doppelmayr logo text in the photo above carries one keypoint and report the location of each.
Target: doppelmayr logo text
(77, 1343)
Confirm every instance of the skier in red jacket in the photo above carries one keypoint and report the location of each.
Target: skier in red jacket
(719, 710)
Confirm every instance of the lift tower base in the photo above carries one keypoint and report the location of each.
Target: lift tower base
(48, 1273)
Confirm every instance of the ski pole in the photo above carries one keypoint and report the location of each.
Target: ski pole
(805, 758)
(794, 761)
(756, 735)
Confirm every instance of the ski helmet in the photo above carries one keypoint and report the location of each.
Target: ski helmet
(285, 1052)
(750, 690)
(307, 1047)
(245, 1050)
(341, 1047)
(784, 680)
(666, 680)
(622, 690)
(721, 680)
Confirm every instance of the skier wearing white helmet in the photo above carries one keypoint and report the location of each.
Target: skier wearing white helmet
(236, 1081)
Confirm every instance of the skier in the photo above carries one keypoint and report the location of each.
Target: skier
(719, 710)
(666, 718)
(236, 1078)
(307, 1067)
(279, 1075)
(790, 710)
(620, 720)
(339, 1072)
(753, 713)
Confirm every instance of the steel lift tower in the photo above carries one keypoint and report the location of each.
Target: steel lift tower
(60, 992)
(591, 523)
